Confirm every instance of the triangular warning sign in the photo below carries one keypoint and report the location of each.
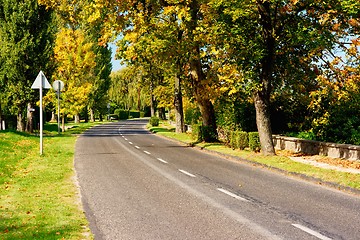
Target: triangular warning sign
(41, 79)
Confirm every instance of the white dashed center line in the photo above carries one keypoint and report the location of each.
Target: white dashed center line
(147, 152)
(131, 143)
(161, 160)
(232, 195)
(137, 147)
(311, 232)
(187, 173)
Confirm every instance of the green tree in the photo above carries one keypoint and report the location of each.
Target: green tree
(26, 39)
(275, 43)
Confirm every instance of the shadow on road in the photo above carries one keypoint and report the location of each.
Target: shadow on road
(133, 127)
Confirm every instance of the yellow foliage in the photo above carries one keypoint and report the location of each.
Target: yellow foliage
(75, 67)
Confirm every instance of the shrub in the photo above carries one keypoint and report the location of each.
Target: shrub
(154, 121)
(192, 116)
(134, 114)
(239, 140)
(196, 132)
(207, 134)
(122, 114)
(254, 141)
(203, 133)
(243, 138)
(234, 140)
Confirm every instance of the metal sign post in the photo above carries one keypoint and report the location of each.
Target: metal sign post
(40, 83)
(58, 87)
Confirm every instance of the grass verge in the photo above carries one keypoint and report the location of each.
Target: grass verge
(280, 162)
(38, 197)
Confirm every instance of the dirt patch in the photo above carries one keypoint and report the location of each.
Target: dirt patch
(338, 164)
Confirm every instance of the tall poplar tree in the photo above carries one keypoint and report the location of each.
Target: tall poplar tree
(26, 37)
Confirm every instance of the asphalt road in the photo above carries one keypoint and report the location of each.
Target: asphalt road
(136, 185)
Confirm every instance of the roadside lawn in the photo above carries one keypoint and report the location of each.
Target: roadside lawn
(281, 162)
(38, 195)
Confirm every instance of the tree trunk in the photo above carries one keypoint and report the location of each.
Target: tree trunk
(152, 101)
(63, 122)
(77, 118)
(203, 100)
(262, 96)
(30, 119)
(162, 115)
(139, 99)
(53, 116)
(263, 123)
(178, 103)
(92, 115)
(86, 117)
(198, 79)
(20, 124)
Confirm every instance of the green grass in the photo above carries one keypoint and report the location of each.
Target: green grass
(38, 197)
(278, 162)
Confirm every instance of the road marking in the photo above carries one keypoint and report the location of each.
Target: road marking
(232, 195)
(137, 147)
(131, 143)
(161, 160)
(125, 139)
(147, 152)
(187, 173)
(311, 232)
(266, 234)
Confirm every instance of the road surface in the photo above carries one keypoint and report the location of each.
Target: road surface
(136, 185)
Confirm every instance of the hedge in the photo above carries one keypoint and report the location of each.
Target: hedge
(254, 141)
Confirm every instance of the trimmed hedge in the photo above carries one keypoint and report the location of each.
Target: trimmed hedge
(125, 114)
(254, 141)
(122, 114)
(134, 114)
(239, 140)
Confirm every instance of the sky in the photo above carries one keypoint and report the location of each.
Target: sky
(115, 63)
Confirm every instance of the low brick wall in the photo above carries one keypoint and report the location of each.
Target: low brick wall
(346, 151)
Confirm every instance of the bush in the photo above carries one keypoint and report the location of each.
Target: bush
(243, 140)
(234, 140)
(203, 133)
(134, 114)
(122, 114)
(154, 121)
(196, 132)
(207, 134)
(254, 141)
(192, 116)
(239, 140)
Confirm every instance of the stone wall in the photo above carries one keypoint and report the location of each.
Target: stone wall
(298, 145)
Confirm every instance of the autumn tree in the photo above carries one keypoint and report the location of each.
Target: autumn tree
(335, 103)
(75, 67)
(272, 41)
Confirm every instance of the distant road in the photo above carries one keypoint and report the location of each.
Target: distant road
(136, 185)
